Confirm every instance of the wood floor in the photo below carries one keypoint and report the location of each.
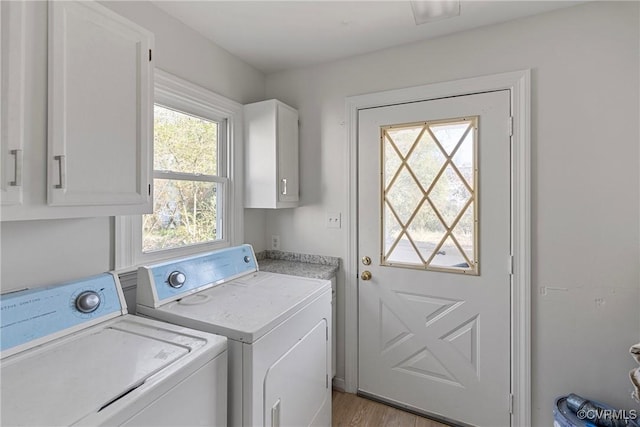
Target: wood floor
(352, 410)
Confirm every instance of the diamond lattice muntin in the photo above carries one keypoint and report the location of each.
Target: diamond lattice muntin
(429, 187)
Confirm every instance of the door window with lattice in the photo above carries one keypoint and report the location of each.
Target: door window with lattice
(429, 195)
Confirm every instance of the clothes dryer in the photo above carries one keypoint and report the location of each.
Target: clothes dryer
(278, 326)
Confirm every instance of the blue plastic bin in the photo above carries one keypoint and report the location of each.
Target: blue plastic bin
(564, 417)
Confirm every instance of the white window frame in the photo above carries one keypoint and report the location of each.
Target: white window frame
(175, 93)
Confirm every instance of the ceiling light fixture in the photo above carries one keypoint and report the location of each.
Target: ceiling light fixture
(434, 10)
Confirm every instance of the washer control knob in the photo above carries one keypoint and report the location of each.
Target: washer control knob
(247, 259)
(88, 301)
(177, 279)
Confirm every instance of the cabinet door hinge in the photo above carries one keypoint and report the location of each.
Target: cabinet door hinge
(327, 332)
(149, 189)
(149, 55)
(510, 125)
(510, 264)
(511, 403)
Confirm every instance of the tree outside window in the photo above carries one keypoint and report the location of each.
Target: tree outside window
(187, 189)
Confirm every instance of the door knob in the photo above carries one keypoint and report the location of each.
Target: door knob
(366, 275)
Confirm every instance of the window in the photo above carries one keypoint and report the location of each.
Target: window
(429, 188)
(188, 182)
(196, 207)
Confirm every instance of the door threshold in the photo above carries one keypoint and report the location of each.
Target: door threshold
(413, 410)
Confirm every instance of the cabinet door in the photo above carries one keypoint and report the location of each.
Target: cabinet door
(12, 85)
(100, 115)
(287, 146)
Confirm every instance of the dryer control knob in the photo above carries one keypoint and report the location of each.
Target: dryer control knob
(177, 279)
(88, 302)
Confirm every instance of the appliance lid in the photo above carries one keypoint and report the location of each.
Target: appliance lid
(64, 381)
(244, 309)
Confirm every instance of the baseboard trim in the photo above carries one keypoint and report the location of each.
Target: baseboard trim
(339, 384)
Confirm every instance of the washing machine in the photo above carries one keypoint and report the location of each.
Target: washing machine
(71, 355)
(278, 329)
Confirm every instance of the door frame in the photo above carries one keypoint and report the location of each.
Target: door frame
(519, 85)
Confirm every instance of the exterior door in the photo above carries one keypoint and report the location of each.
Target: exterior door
(434, 246)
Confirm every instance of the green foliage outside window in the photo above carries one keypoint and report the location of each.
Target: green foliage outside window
(185, 207)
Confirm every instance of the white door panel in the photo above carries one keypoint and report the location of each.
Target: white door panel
(438, 339)
(302, 368)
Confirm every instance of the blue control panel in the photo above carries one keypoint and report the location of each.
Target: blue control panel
(36, 313)
(211, 268)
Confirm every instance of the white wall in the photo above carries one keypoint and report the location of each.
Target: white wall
(585, 182)
(254, 229)
(585, 161)
(187, 54)
(36, 253)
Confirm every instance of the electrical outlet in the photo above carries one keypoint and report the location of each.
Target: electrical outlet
(333, 219)
(275, 242)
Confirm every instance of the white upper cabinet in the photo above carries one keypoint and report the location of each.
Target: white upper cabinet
(100, 91)
(271, 155)
(12, 92)
(87, 117)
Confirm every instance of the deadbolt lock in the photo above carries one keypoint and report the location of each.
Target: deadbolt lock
(366, 260)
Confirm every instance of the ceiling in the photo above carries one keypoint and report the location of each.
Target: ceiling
(279, 35)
